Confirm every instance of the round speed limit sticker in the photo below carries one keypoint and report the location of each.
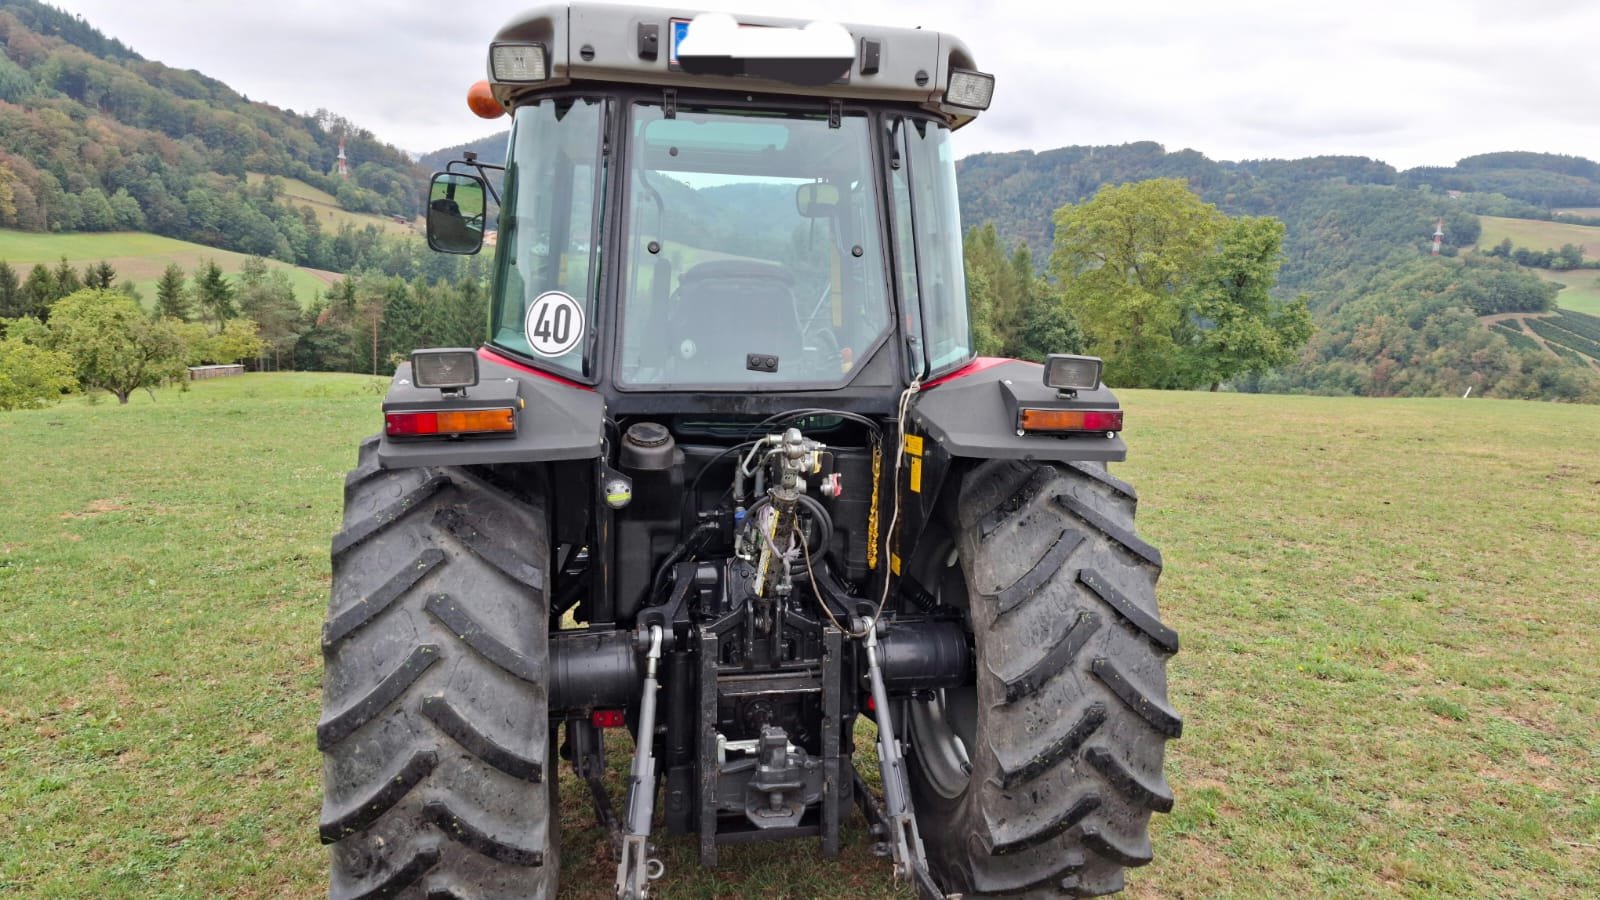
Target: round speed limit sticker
(555, 324)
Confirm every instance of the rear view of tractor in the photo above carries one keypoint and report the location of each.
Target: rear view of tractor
(726, 479)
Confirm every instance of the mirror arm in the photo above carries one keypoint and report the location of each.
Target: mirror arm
(482, 168)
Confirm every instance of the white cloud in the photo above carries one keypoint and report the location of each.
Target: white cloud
(1412, 83)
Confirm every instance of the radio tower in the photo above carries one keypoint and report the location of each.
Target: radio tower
(1438, 228)
(344, 171)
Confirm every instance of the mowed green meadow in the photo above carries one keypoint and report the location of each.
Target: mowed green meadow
(1582, 292)
(141, 258)
(1390, 674)
(329, 214)
(1538, 234)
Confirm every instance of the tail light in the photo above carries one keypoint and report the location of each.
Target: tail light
(1067, 421)
(449, 423)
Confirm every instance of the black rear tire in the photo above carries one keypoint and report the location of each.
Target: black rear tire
(1066, 727)
(434, 734)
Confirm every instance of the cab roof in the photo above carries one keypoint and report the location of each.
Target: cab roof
(636, 45)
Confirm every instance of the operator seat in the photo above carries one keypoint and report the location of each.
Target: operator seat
(449, 225)
(725, 310)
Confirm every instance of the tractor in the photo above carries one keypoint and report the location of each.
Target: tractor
(727, 479)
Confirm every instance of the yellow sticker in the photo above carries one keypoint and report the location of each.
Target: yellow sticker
(894, 563)
(914, 444)
(916, 475)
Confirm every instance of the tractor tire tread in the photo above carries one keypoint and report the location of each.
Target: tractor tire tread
(389, 793)
(1057, 659)
(341, 725)
(461, 624)
(435, 733)
(396, 881)
(1071, 661)
(458, 829)
(349, 620)
(438, 710)
(364, 529)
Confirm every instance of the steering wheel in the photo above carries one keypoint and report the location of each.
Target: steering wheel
(822, 353)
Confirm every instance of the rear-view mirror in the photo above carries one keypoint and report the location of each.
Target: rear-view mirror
(816, 200)
(456, 213)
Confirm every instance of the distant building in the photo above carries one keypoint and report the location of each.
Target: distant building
(344, 162)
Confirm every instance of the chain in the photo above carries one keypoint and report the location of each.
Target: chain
(872, 511)
(894, 520)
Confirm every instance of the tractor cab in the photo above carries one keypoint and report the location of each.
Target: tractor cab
(677, 217)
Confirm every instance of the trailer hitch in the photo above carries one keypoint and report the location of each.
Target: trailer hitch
(637, 868)
(905, 842)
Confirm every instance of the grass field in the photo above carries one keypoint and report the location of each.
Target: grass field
(329, 213)
(1536, 234)
(141, 258)
(1390, 675)
(1582, 291)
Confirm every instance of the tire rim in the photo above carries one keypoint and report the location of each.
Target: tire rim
(941, 730)
(943, 727)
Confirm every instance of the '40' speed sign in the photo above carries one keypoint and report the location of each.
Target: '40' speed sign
(555, 324)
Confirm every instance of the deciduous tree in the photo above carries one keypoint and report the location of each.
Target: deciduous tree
(236, 342)
(1234, 326)
(31, 376)
(113, 345)
(1171, 292)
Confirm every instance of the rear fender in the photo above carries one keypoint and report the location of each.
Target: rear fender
(555, 419)
(973, 414)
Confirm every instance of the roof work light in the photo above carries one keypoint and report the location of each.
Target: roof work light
(970, 90)
(518, 63)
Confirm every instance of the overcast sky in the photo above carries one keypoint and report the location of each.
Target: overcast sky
(1410, 83)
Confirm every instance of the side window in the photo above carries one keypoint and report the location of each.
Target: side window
(905, 246)
(927, 175)
(547, 231)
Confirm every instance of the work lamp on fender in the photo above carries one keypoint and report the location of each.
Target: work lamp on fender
(1066, 372)
(451, 369)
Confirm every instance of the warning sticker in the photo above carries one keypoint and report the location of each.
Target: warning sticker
(555, 324)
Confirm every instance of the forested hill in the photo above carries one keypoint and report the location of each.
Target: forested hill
(1338, 210)
(93, 137)
(491, 149)
(1390, 318)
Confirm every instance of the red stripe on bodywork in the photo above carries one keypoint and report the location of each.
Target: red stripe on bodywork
(971, 368)
(491, 356)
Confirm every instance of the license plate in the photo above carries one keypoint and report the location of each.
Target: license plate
(680, 30)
